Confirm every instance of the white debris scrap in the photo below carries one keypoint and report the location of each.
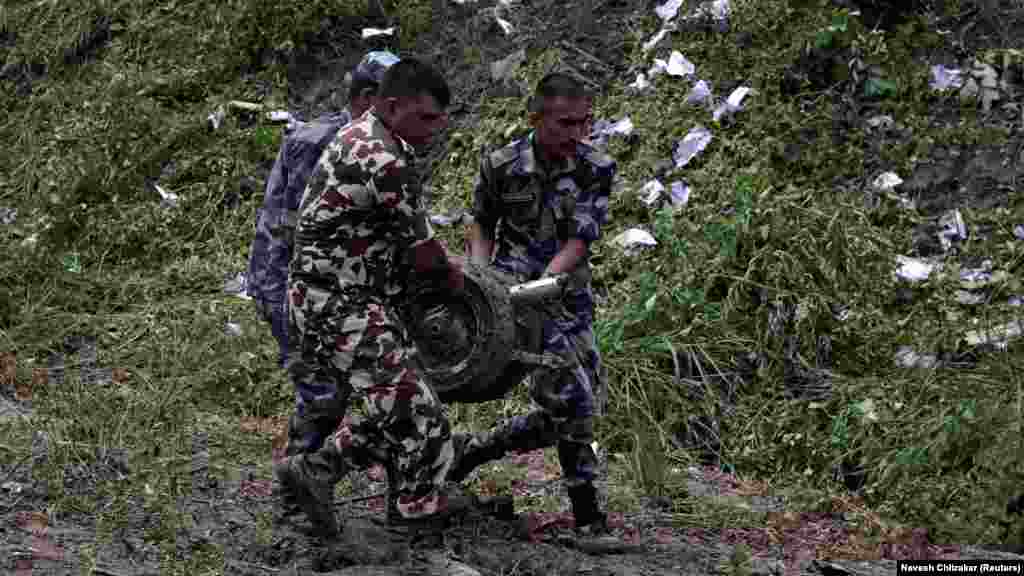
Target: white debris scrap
(659, 67)
(669, 9)
(678, 65)
(695, 141)
(280, 116)
(641, 83)
(886, 182)
(634, 240)
(969, 298)
(1018, 231)
(650, 44)
(732, 104)
(505, 25)
(12, 487)
(232, 329)
(951, 229)
(651, 192)
(8, 216)
(679, 192)
(998, 336)
(237, 286)
(945, 78)
(452, 218)
(371, 32)
(168, 199)
(907, 357)
(605, 129)
(216, 117)
(914, 269)
(883, 122)
(715, 9)
(700, 93)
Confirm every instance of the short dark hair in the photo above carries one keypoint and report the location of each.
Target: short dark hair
(557, 85)
(410, 77)
(359, 85)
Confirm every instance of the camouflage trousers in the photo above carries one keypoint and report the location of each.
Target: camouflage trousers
(350, 347)
(565, 401)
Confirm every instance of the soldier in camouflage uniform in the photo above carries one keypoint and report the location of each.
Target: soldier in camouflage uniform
(540, 203)
(271, 249)
(362, 235)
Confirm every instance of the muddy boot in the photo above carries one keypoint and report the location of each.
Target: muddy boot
(472, 452)
(311, 478)
(589, 518)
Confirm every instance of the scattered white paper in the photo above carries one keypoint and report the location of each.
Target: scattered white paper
(669, 9)
(952, 229)
(679, 192)
(650, 44)
(700, 93)
(732, 104)
(13, 487)
(945, 78)
(505, 25)
(678, 65)
(716, 9)
(641, 83)
(371, 32)
(447, 219)
(651, 192)
(167, 198)
(977, 277)
(232, 329)
(886, 182)
(997, 336)
(8, 216)
(867, 410)
(237, 286)
(883, 121)
(634, 240)
(907, 357)
(216, 117)
(969, 298)
(1018, 231)
(280, 116)
(695, 141)
(658, 67)
(914, 269)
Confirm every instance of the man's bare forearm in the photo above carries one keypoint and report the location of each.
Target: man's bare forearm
(481, 244)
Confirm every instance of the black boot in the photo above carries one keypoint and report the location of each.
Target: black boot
(586, 511)
(311, 479)
(470, 453)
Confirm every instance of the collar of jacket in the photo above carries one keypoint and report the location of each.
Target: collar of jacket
(528, 163)
(371, 114)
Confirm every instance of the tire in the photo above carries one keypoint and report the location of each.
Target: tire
(465, 341)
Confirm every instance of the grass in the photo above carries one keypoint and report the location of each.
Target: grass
(941, 447)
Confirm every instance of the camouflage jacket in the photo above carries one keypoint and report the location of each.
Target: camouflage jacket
(271, 249)
(361, 214)
(532, 212)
